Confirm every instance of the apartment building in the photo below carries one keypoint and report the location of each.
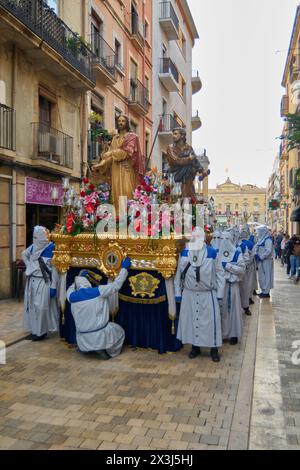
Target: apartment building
(45, 73)
(290, 159)
(174, 82)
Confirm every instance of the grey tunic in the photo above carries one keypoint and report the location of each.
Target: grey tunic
(246, 281)
(265, 251)
(200, 321)
(40, 311)
(90, 309)
(231, 312)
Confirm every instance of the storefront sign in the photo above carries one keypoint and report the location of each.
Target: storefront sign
(43, 192)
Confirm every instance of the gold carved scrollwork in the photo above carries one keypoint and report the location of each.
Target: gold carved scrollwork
(143, 285)
(87, 250)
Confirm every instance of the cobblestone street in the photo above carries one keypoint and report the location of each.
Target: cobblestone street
(51, 397)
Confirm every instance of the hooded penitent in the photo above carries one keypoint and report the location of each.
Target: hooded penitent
(196, 247)
(227, 247)
(216, 240)
(262, 233)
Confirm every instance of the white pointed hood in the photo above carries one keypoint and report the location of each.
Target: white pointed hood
(227, 247)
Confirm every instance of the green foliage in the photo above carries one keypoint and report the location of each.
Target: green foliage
(292, 136)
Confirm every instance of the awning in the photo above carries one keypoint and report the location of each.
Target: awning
(295, 217)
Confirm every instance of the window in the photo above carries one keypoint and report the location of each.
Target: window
(164, 107)
(178, 120)
(97, 107)
(118, 52)
(228, 209)
(182, 42)
(133, 70)
(45, 111)
(164, 51)
(96, 31)
(182, 87)
(53, 4)
(236, 207)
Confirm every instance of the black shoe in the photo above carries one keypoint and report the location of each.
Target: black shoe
(233, 341)
(247, 312)
(30, 337)
(251, 302)
(195, 351)
(215, 354)
(39, 338)
(264, 296)
(103, 355)
(255, 293)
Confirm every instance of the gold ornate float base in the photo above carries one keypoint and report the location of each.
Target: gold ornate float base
(89, 251)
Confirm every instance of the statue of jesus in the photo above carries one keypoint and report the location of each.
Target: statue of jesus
(124, 163)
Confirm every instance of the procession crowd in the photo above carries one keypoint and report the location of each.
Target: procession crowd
(214, 285)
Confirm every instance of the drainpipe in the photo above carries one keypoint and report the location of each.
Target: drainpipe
(144, 70)
(14, 173)
(83, 104)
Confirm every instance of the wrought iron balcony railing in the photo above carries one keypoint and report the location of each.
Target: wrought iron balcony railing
(104, 53)
(52, 145)
(167, 66)
(7, 128)
(167, 12)
(139, 94)
(43, 21)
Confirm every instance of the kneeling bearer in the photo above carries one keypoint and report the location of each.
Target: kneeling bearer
(90, 309)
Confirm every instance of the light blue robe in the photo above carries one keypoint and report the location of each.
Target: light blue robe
(40, 311)
(90, 309)
(265, 250)
(199, 320)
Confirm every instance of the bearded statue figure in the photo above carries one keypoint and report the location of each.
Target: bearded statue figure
(124, 163)
(184, 164)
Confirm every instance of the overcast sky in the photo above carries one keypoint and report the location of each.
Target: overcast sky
(240, 56)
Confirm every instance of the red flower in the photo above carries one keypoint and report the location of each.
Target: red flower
(137, 226)
(90, 208)
(91, 187)
(85, 181)
(70, 219)
(82, 193)
(167, 190)
(138, 214)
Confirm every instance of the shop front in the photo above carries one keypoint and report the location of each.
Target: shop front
(43, 204)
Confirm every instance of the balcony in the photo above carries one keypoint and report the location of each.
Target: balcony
(168, 74)
(52, 146)
(104, 59)
(169, 20)
(47, 41)
(137, 31)
(284, 108)
(168, 123)
(196, 82)
(196, 121)
(7, 128)
(138, 100)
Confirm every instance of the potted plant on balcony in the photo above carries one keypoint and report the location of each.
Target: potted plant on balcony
(78, 45)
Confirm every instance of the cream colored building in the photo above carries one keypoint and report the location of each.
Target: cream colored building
(290, 160)
(45, 73)
(238, 204)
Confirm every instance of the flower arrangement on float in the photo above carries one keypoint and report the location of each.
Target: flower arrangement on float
(84, 211)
